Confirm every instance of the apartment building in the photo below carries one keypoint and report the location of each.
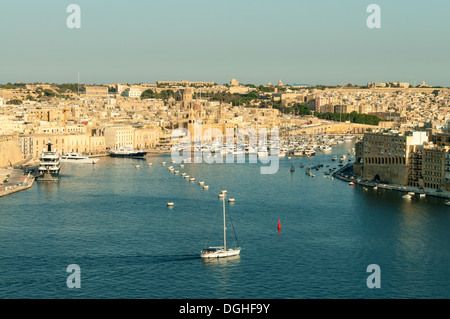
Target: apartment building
(96, 91)
(132, 92)
(434, 162)
(403, 159)
(119, 135)
(26, 144)
(385, 156)
(63, 143)
(145, 138)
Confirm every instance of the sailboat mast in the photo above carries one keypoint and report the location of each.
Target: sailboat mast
(224, 227)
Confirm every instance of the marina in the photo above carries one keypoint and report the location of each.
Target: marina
(130, 172)
(144, 228)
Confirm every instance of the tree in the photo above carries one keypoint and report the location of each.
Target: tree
(147, 94)
(353, 117)
(14, 102)
(73, 87)
(166, 94)
(48, 92)
(263, 88)
(253, 95)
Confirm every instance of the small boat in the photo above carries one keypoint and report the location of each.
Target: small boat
(407, 196)
(309, 153)
(231, 200)
(170, 204)
(192, 179)
(176, 172)
(205, 186)
(164, 163)
(292, 167)
(138, 166)
(263, 153)
(201, 182)
(150, 164)
(422, 195)
(351, 184)
(447, 203)
(411, 193)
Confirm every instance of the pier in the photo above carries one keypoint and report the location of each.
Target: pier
(13, 181)
(345, 174)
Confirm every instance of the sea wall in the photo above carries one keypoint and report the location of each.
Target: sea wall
(394, 174)
(10, 153)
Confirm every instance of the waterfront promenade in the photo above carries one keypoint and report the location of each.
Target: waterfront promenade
(345, 174)
(13, 181)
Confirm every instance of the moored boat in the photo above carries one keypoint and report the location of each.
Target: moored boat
(49, 165)
(77, 158)
(127, 151)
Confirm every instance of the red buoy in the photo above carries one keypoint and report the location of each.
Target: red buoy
(279, 225)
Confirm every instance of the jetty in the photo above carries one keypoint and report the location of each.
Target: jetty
(345, 174)
(14, 180)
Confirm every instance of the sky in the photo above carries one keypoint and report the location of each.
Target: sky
(254, 41)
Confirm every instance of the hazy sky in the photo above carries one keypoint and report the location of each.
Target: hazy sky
(254, 41)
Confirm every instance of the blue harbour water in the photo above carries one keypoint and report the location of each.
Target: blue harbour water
(112, 220)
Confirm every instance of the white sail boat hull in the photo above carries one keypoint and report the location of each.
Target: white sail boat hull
(220, 253)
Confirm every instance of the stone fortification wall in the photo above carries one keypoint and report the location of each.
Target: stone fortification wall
(10, 153)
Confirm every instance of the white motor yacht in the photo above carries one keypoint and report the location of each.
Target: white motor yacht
(72, 157)
(49, 165)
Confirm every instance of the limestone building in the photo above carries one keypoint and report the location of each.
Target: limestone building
(385, 156)
(96, 91)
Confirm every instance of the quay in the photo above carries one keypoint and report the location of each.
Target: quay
(13, 181)
(156, 151)
(345, 174)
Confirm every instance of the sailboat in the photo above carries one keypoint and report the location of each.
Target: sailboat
(222, 251)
